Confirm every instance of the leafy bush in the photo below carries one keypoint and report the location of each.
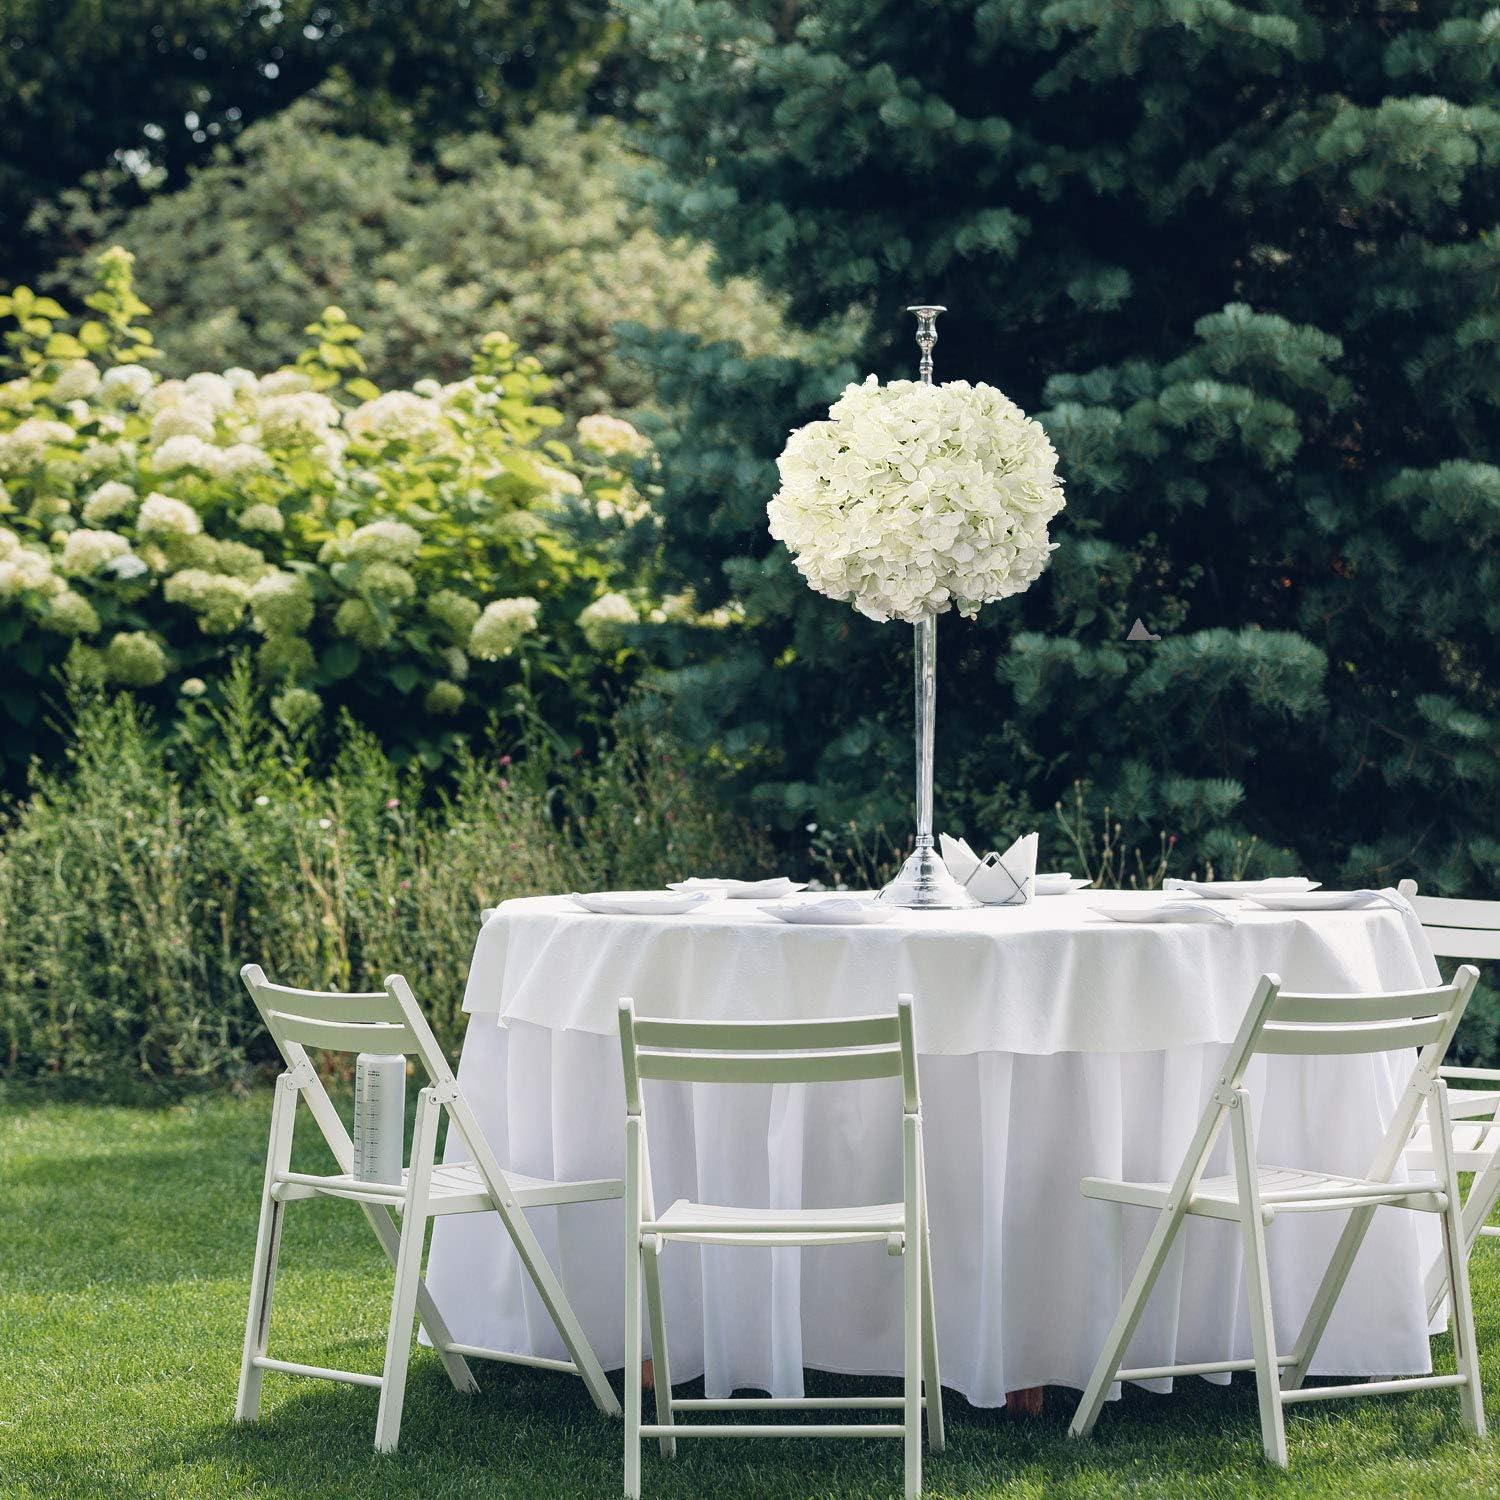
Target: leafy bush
(131, 892)
(533, 234)
(406, 554)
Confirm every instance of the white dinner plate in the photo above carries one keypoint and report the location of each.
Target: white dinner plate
(1324, 900)
(639, 903)
(1236, 890)
(743, 890)
(1059, 884)
(831, 911)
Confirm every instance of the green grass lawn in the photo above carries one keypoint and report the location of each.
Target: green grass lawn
(125, 1240)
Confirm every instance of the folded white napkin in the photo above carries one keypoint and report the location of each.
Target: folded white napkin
(1007, 879)
(1169, 911)
(1233, 890)
(770, 889)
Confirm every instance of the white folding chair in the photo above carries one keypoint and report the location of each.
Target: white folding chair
(1252, 1195)
(389, 1021)
(1463, 929)
(775, 1052)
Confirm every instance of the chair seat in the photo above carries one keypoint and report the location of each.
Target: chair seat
(1286, 1189)
(456, 1189)
(724, 1224)
(1474, 1143)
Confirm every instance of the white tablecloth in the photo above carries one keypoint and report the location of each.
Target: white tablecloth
(1053, 1044)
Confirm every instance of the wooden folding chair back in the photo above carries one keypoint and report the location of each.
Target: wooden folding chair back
(1304, 1025)
(390, 1022)
(785, 1052)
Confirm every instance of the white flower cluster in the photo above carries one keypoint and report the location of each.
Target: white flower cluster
(400, 416)
(498, 631)
(912, 499)
(612, 436)
(605, 620)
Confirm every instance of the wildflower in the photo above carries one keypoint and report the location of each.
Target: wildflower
(392, 803)
(70, 614)
(444, 698)
(325, 822)
(162, 516)
(499, 630)
(86, 551)
(296, 707)
(605, 621)
(261, 517)
(262, 800)
(77, 378)
(133, 659)
(193, 687)
(453, 612)
(612, 436)
(281, 604)
(110, 500)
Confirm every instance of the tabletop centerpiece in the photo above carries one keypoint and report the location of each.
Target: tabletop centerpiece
(909, 500)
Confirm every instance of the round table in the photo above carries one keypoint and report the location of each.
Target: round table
(1053, 1044)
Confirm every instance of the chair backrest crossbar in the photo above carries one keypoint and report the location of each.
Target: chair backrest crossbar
(860, 1047)
(1456, 928)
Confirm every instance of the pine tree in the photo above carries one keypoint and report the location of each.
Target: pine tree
(1243, 261)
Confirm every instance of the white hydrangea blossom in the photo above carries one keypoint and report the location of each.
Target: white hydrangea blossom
(211, 390)
(297, 416)
(241, 381)
(612, 436)
(559, 481)
(261, 517)
(184, 451)
(24, 445)
(393, 541)
(25, 570)
(125, 383)
(86, 551)
(404, 416)
(110, 500)
(604, 621)
(162, 516)
(498, 631)
(912, 499)
(282, 383)
(78, 378)
(185, 418)
(239, 458)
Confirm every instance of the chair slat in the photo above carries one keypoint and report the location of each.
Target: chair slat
(1447, 911)
(1460, 942)
(336, 1036)
(1325, 1041)
(768, 1036)
(327, 1005)
(1330, 1009)
(769, 1067)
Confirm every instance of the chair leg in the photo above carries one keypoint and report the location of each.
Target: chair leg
(651, 1265)
(632, 1310)
(267, 1251)
(1456, 1250)
(912, 1308)
(408, 1274)
(1126, 1321)
(932, 1385)
(1484, 1191)
(1258, 1286)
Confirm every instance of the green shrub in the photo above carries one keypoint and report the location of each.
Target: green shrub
(131, 892)
(409, 554)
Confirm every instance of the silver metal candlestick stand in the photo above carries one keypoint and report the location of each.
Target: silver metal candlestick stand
(923, 882)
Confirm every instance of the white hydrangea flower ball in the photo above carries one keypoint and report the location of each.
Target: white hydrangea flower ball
(499, 629)
(213, 391)
(25, 445)
(282, 383)
(913, 499)
(77, 380)
(184, 418)
(296, 416)
(184, 451)
(262, 517)
(162, 516)
(612, 436)
(110, 500)
(121, 383)
(604, 621)
(86, 551)
(398, 416)
(239, 458)
(559, 481)
(393, 541)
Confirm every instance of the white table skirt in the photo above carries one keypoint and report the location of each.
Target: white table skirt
(1028, 1273)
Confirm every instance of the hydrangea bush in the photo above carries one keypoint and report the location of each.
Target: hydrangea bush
(406, 554)
(912, 499)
